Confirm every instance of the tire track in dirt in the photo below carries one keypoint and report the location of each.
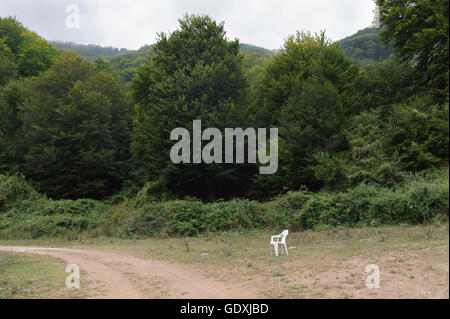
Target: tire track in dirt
(116, 276)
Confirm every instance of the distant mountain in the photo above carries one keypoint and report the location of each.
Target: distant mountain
(126, 64)
(249, 48)
(89, 51)
(364, 46)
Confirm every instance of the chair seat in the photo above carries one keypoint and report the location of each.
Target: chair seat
(277, 240)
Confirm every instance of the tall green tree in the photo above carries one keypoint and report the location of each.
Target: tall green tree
(195, 73)
(418, 132)
(308, 92)
(384, 83)
(22, 52)
(418, 31)
(12, 95)
(76, 123)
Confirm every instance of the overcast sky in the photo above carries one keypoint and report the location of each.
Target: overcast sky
(133, 23)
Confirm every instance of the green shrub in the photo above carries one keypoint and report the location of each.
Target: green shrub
(421, 198)
(14, 189)
(151, 192)
(182, 217)
(415, 202)
(26, 214)
(46, 218)
(284, 211)
(236, 214)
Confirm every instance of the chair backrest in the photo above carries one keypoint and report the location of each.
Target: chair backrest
(283, 235)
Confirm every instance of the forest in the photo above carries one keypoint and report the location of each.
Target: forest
(363, 129)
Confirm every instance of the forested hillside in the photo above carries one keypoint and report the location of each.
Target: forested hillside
(89, 51)
(125, 62)
(357, 145)
(365, 46)
(126, 65)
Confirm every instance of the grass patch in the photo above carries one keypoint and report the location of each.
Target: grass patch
(29, 276)
(421, 199)
(325, 263)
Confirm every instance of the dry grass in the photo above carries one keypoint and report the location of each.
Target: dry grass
(29, 276)
(413, 260)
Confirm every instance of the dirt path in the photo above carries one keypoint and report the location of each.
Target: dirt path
(113, 275)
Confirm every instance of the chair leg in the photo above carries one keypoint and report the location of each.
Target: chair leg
(285, 247)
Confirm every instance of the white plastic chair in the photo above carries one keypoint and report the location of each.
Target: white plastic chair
(279, 240)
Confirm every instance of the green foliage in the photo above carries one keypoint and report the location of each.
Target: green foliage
(254, 65)
(166, 218)
(284, 210)
(45, 218)
(126, 64)
(25, 213)
(13, 190)
(191, 217)
(420, 199)
(308, 92)
(364, 46)
(35, 54)
(384, 83)
(327, 169)
(75, 130)
(22, 52)
(151, 192)
(90, 52)
(418, 132)
(11, 97)
(258, 51)
(352, 134)
(8, 67)
(418, 31)
(367, 161)
(414, 203)
(195, 74)
(236, 214)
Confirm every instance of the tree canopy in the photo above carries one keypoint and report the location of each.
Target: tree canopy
(75, 124)
(348, 112)
(195, 73)
(418, 31)
(22, 52)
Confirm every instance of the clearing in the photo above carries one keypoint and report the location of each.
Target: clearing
(413, 262)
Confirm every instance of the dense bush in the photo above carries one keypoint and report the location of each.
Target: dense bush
(369, 205)
(419, 200)
(236, 214)
(191, 217)
(166, 218)
(25, 213)
(75, 130)
(14, 189)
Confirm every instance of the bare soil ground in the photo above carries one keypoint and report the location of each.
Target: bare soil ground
(413, 263)
(114, 275)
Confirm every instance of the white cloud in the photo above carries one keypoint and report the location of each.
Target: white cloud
(131, 24)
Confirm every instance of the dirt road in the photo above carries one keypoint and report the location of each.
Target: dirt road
(114, 275)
